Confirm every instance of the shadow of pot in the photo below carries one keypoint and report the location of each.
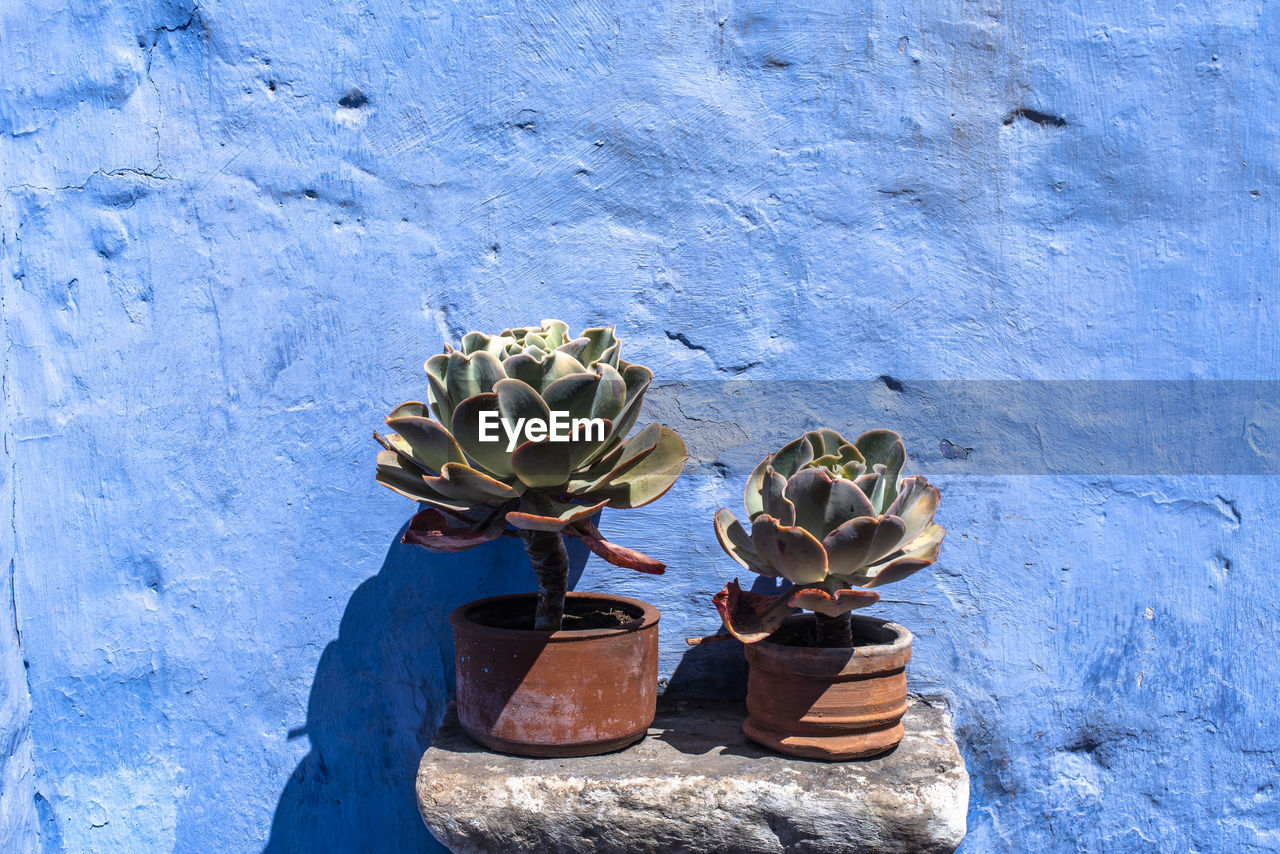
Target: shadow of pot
(825, 703)
(568, 693)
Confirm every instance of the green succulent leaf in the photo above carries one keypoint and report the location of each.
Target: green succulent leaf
(850, 455)
(474, 341)
(460, 481)
(542, 464)
(883, 447)
(469, 375)
(650, 477)
(574, 348)
(573, 394)
(586, 476)
(555, 331)
(887, 538)
(551, 516)
(409, 409)
(599, 340)
(441, 405)
(880, 498)
(791, 550)
(773, 498)
(518, 402)
(924, 552)
(853, 470)
(611, 394)
(825, 442)
(808, 491)
(737, 544)
(637, 379)
(587, 442)
(610, 355)
(751, 497)
(491, 456)
(915, 505)
(858, 543)
(437, 367)
(823, 502)
(849, 546)
(557, 365)
(867, 483)
(406, 479)
(792, 457)
(630, 454)
(429, 444)
(846, 501)
(525, 368)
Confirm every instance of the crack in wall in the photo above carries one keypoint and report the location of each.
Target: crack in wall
(105, 173)
(150, 52)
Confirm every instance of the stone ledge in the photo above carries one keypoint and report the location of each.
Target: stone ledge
(696, 784)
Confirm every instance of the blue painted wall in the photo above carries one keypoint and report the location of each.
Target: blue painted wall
(232, 232)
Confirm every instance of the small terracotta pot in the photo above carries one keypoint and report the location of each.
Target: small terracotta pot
(566, 693)
(844, 703)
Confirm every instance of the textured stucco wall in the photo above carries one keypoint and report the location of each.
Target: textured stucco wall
(232, 232)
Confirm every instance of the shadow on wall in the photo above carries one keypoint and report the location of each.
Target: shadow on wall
(718, 670)
(379, 693)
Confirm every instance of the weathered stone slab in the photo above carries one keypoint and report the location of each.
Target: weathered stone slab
(696, 784)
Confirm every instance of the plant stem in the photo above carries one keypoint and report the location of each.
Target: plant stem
(833, 631)
(551, 565)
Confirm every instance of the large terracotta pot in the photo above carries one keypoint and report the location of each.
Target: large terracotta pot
(565, 693)
(829, 703)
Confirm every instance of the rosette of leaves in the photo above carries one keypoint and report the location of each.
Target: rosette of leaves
(831, 517)
(475, 491)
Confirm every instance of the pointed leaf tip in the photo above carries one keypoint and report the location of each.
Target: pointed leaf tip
(616, 554)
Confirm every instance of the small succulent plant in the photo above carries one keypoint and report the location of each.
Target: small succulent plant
(831, 517)
(543, 488)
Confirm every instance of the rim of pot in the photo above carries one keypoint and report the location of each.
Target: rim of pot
(649, 617)
(838, 661)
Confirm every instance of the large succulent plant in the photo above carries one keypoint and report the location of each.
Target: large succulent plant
(831, 517)
(541, 491)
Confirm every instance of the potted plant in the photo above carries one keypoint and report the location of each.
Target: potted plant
(831, 517)
(529, 440)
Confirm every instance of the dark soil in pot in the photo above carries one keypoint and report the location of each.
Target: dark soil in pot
(803, 633)
(517, 613)
(576, 692)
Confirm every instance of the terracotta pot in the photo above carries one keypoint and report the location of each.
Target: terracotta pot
(829, 703)
(566, 693)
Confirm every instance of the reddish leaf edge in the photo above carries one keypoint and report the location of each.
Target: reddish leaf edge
(614, 553)
(434, 531)
(752, 617)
